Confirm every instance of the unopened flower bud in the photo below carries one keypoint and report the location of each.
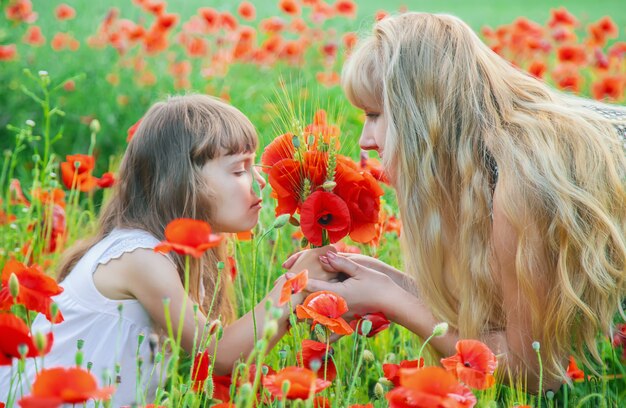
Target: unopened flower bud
(329, 185)
(365, 326)
(282, 354)
(295, 141)
(368, 356)
(220, 265)
(320, 333)
(80, 343)
(270, 329)
(40, 342)
(214, 326)
(440, 329)
(385, 381)
(22, 349)
(390, 358)
(43, 73)
(276, 313)
(379, 390)
(89, 365)
(14, 286)
(54, 310)
(536, 345)
(281, 220)
(94, 126)
(245, 389)
(264, 370)
(30, 123)
(284, 387)
(315, 365)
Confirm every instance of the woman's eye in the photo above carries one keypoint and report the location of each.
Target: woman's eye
(240, 173)
(372, 115)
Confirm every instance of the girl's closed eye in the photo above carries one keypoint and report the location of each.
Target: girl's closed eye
(372, 115)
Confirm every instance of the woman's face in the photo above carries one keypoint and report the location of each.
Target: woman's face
(232, 179)
(374, 130)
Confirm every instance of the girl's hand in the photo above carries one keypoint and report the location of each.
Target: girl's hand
(366, 290)
(310, 259)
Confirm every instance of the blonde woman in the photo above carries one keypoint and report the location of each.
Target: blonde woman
(511, 194)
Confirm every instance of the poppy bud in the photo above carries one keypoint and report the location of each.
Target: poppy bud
(264, 370)
(245, 390)
(282, 354)
(379, 390)
(366, 327)
(80, 343)
(158, 358)
(14, 286)
(329, 185)
(40, 342)
(536, 345)
(320, 333)
(89, 365)
(214, 327)
(94, 126)
(270, 329)
(54, 310)
(368, 356)
(295, 141)
(281, 220)
(440, 329)
(23, 350)
(315, 365)
(390, 358)
(30, 123)
(220, 265)
(385, 381)
(285, 386)
(140, 339)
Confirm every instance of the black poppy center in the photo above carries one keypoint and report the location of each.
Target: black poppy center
(467, 364)
(325, 219)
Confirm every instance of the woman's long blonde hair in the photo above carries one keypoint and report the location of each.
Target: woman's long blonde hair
(451, 104)
(160, 180)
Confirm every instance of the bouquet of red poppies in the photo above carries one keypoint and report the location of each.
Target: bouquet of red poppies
(329, 191)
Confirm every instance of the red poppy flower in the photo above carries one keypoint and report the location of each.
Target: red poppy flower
(323, 211)
(293, 286)
(34, 37)
(368, 405)
(186, 236)
(285, 177)
(231, 264)
(346, 8)
(246, 10)
(289, 7)
(132, 130)
(78, 177)
(200, 370)
(326, 309)
(56, 386)
(392, 371)
(573, 371)
(221, 387)
(303, 383)
(378, 319)
(280, 148)
(373, 167)
(224, 405)
(609, 86)
(56, 196)
(244, 236)
(107, 180)
(35, 289)
(561, 16)
(363, 199)
(474, 364)
(64, 12)
(17, 195)
(14, 333)
(316, 351)
(429, 387)
(315, 165)
(20, 11)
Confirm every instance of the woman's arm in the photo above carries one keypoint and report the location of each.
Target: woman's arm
(152, 278)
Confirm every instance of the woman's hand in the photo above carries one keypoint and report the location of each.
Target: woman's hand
(400, 278)
(366, 290)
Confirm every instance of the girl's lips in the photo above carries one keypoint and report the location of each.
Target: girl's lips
(257, 204)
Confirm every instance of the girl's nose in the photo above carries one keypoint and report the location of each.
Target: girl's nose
(259, 178)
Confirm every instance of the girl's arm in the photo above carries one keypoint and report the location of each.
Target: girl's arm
(152, 277)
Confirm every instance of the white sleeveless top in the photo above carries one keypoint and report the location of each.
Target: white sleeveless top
(110, 335)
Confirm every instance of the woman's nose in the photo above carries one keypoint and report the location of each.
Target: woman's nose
(367, 142)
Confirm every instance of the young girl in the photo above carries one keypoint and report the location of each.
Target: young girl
(191, 157)
(512, 198)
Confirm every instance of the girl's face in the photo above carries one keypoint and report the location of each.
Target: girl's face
(232, 179)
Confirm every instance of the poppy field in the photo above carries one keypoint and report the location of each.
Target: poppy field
(75, 80)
